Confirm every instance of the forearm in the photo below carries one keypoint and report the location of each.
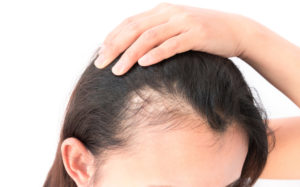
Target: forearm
(275, 58)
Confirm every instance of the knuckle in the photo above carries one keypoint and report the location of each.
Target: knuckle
(180, 18)
(129, 20)
(108, 37)
(173, 45)
(201, 31)
(107, 43)
(129, 54)
(160, 52)
(112, 49)
(150, 34)
(177, 9)
(186, 16)
(163, 4)
(204, 33)
(133, 26)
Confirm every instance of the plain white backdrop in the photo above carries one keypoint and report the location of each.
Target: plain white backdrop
(44, 48)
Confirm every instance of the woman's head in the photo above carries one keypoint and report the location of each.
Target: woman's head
(189, 120)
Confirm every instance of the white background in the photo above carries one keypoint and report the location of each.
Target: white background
(45, 46)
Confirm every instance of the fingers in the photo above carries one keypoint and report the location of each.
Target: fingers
(131, 19)
(169, 48)
(125, 22)
(127, 32)
(113, 47)
(149, 39)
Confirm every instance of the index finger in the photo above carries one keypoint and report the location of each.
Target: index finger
(109, 49)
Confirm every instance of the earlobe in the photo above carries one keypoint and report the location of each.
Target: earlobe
(78, 161)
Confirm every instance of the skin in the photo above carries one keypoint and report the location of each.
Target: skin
(168, 29)
(283, 161)
(162, 32)
(180, 157)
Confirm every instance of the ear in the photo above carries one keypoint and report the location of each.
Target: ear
(78, 161)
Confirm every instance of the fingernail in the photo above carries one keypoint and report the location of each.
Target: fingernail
(144, 60)
(99, 62)
(118, 68)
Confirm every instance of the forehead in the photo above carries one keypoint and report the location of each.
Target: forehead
(180, 157)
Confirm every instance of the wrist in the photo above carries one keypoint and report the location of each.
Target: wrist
(251, 33)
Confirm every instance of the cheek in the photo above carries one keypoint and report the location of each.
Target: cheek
(113, 173)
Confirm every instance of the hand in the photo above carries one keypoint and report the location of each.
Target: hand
(168, 29)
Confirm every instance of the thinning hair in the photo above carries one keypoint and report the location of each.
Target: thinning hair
(104, 109)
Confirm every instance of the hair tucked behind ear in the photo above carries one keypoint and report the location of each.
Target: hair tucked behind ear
(212, 86)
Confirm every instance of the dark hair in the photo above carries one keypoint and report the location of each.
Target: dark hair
(212, 86)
